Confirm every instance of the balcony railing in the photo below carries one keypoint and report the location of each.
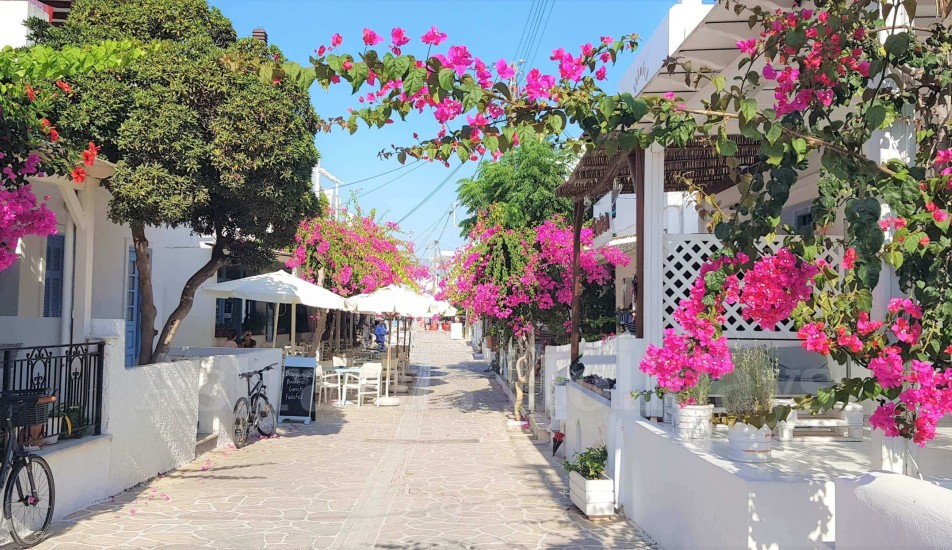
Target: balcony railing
(74, 374)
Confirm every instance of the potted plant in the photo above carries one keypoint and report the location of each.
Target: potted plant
(76, 420)
(693, 414)
(748, 399)
(589, 489)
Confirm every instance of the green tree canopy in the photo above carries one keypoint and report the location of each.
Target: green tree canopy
(198, 137)
(519, 189)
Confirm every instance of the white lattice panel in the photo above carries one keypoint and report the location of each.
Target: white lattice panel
(684, 256)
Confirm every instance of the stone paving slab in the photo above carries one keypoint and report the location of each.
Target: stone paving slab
(439, 471)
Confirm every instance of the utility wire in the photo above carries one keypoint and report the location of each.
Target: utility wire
(417, 166)
(430, 196)
(401, 167)
(525, 27)
(542, 33)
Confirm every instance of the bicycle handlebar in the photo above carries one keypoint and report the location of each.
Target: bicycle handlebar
(258, 372)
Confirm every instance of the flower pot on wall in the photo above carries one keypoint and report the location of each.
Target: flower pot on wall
(694, 421)
(595, 497)
(749, 444)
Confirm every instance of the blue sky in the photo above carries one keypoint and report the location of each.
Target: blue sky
(490, 28)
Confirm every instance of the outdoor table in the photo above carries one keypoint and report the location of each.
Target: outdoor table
(343, 372)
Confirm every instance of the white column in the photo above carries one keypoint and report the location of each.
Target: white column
(84, 251)
(653, 269)
(69, 266)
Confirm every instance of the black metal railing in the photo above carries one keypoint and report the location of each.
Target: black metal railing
(73, 374)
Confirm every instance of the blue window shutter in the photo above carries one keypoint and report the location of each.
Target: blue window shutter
(53, 287)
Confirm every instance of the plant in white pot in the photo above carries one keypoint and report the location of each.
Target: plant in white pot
(749, 391)
(693, 413)
(589, 489)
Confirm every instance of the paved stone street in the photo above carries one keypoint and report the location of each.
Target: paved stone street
(439, 471)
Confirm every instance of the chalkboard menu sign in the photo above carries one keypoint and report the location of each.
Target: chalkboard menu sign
(297, 389)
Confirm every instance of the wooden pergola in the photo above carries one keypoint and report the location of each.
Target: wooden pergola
(598, 173)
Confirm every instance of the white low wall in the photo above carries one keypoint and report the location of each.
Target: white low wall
(884, 510)
(154, 412)
(685, 497)
(80, 472)
(586, 423)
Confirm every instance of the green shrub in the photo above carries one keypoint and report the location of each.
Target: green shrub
(589, 463)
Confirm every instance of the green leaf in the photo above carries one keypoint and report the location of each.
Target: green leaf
(414, 80)
(799, 145)
(876, 116)
(503, 89)
(720, 82)
(774, 131)
(748, 109)
(726, 146)
(897, 44)
(447, 78)
(556, 121)
(607, 106)
(635, 105)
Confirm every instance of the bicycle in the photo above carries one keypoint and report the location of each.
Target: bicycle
(254, 410)
(29, 493)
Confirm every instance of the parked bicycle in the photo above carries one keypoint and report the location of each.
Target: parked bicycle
(29, 493)
(255, 410)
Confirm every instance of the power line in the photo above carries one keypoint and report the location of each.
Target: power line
(401, 167)
(425, 234)
(388, 182)
(535, 31)
(536, 16)
(525, 27)
(542, 33)
(430, 196)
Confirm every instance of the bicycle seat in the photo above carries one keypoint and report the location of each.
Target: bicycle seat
(246, 375)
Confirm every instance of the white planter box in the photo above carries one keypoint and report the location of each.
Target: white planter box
(748, 444)
(595, 497)
(694, 421)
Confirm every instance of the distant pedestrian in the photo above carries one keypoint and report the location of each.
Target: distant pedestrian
(247, 341)
(380, 331)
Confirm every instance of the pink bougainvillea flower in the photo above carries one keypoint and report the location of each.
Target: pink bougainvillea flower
(849, 258)
(600, 73)
(748, 47)
(336, 40)
(371, 38)
(433, 37)
(504, 70)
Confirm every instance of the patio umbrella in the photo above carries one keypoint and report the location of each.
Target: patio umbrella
(392, 301)
(278, 287)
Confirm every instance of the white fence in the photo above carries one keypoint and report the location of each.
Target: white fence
(684, 255)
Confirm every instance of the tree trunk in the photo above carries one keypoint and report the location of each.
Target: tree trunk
(186, 301)
(147, 311)
(524, 347)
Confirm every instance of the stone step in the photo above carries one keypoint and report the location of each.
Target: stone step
(205, 442)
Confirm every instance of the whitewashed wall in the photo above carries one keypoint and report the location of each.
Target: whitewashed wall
(884, 510)
(152, 412)
(586, 423)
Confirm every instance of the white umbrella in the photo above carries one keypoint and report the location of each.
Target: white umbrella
(392, 301)
(278, 287)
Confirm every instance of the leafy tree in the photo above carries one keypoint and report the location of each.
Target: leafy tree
(199, 136)
(519, 188)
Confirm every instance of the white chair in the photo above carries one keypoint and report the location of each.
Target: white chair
(326, 382)
(367, 382)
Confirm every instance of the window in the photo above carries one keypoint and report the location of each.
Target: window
(803, 219)
(53, 286)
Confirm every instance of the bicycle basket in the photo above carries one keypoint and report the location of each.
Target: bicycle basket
(28, 407)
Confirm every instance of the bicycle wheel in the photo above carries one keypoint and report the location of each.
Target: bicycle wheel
(28, 500)
(267, 419)
(242, 424)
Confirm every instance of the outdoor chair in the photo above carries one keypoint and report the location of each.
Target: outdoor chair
(327, 382)
(365, 383)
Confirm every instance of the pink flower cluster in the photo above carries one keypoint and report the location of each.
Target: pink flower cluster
(944, 157)
(830, 54)
(774, 287)
(542, 284)
(925, 399)
(355, 254)
(20, 216)
(700, 348)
